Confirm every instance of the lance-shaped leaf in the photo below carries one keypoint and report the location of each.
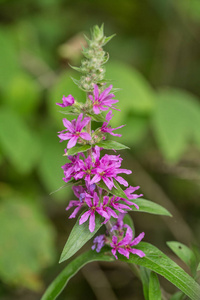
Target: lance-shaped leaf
(78, 237)
(158, 262)
(154, 287)
(70, 270)
(110, 145)
(145, 275)
(150, 207)
(78, 149)
(144, 205)
(185, 254)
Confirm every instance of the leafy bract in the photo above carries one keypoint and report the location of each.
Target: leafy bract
(144, 205)
(144, 276)
(185, 254)
(79, 235)
(158, 262)
(154, 287)
(154, 260)
(109, 145)
(78, 149)
(70, 270)
(150, 207)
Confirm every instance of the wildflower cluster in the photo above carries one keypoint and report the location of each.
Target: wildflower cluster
(94, 174)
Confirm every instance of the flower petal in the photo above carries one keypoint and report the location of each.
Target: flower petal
(84, 217)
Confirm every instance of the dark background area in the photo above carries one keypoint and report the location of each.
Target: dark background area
(155, 60)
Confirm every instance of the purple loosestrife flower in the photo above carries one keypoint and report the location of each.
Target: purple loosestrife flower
(74, 130)
(130, 190)
(102, 101)
(67, 101)
(125, 245)
(93, 207)
(107, 128)
(70, 169)
(79, 192)
(108, 169)
(85, 167)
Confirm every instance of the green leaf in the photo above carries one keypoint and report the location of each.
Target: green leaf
(112, 145)
(79, 235)
(154, 287)
(78, 149)
(176, 122)
(185, 254)
(178, 296)
(19, 144)
(158, 262)
(145, 275)
(150, 207)
(27, 243)
(70, 270)
(144, 205)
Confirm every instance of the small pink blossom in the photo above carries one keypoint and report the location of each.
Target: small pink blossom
(74, 130)
(102, 101)
(67, 101)
(125, 245)
(107, 128)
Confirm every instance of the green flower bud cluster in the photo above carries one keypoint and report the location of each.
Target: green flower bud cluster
(95, 57)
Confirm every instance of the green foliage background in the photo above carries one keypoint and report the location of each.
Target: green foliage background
(155, 60)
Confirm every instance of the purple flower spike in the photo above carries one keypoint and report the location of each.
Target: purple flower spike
(107, 128)
(74, 131)
(67, 101)
(103, 101)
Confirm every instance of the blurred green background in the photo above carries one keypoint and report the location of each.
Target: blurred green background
(155, 60)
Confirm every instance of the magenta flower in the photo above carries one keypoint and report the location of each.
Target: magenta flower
(67, 101)
(130, 190)
(84, 171)
(79, 192)
(74, 131)
(103, 101)
(93, 207)
(124, 246)
(107, 128)
(108, 169)
(70, 169)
